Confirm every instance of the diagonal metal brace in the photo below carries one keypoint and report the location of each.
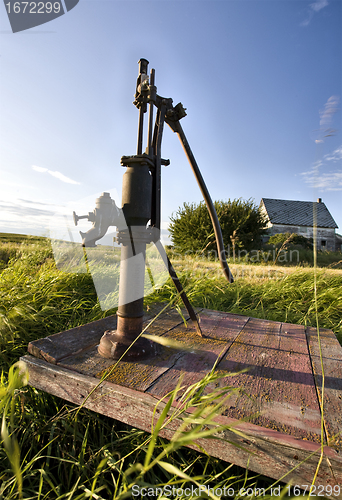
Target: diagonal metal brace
(179, 288)
(184, 297)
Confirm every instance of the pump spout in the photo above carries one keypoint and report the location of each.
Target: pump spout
(105, 214)
(89, 238)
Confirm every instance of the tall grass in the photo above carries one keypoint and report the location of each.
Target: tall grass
(67, 454)
(80, 454)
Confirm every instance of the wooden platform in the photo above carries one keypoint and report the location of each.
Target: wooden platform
(278, 398)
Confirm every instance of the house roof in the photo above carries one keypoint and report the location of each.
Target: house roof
(297, 213)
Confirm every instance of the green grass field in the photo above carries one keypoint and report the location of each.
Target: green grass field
(52, 450)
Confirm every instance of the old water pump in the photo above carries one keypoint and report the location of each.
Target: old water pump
(138, 221)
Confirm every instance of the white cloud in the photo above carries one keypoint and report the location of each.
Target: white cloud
(319, 4)
(329, 110)
(56, 174)
(62, 177)
(329, 181)
(39, 169)
(335, 155)
(326, 181)
(22, 216)
(313, 8)
(24, 211)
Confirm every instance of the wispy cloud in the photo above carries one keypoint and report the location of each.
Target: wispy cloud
(335, 155)
(39, 169)
(23, 211)
(26, 216)
(326, 181)
(330, 108)
(55, 173)
(38, 203)
(329, 181)
(313, 8)
(319, 4)
(326, 119)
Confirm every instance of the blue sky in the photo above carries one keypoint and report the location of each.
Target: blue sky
(261, 81)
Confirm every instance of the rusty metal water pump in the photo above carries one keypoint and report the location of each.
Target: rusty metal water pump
(138, 221)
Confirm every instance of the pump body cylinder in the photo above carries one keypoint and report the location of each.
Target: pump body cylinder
(136, 206)
(137, 192)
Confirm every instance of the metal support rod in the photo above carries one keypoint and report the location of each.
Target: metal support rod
(180, 289)
(140, 131)
(150, 118)
(157, 171)
(155, 131)
(154, 148)
(184, 297)
(176, 127)
(143, 65)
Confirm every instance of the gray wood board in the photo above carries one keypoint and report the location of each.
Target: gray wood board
(264, 451)
(332, 364)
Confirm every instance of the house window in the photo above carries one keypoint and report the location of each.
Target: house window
(323, 244)
(303, 229)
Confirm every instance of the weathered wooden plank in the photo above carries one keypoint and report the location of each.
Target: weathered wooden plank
(332, 363)
(256, 348)
(278, 393)
(88, 362)
(139, 374)
(299, 380)
(221, 325)
(218, 336)
(170, 318)
(264, 451)
(81, 338)
(293, 339)
(278, 389)
(193, 365)
(56, 347)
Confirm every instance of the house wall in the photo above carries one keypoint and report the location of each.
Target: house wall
(325, 236)
(338, 243)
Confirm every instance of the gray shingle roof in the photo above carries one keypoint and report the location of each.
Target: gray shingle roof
(297, 213)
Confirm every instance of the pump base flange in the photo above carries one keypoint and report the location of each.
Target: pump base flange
(112, 347)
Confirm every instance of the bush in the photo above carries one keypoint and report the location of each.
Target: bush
(241, 222)
(292, 239)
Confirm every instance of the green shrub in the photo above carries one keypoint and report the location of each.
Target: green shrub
(292, 239)
(241, 223)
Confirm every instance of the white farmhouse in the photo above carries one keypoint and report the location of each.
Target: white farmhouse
(288, 216)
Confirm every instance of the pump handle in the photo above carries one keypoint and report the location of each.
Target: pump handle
(143, 65)
(78, 217)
